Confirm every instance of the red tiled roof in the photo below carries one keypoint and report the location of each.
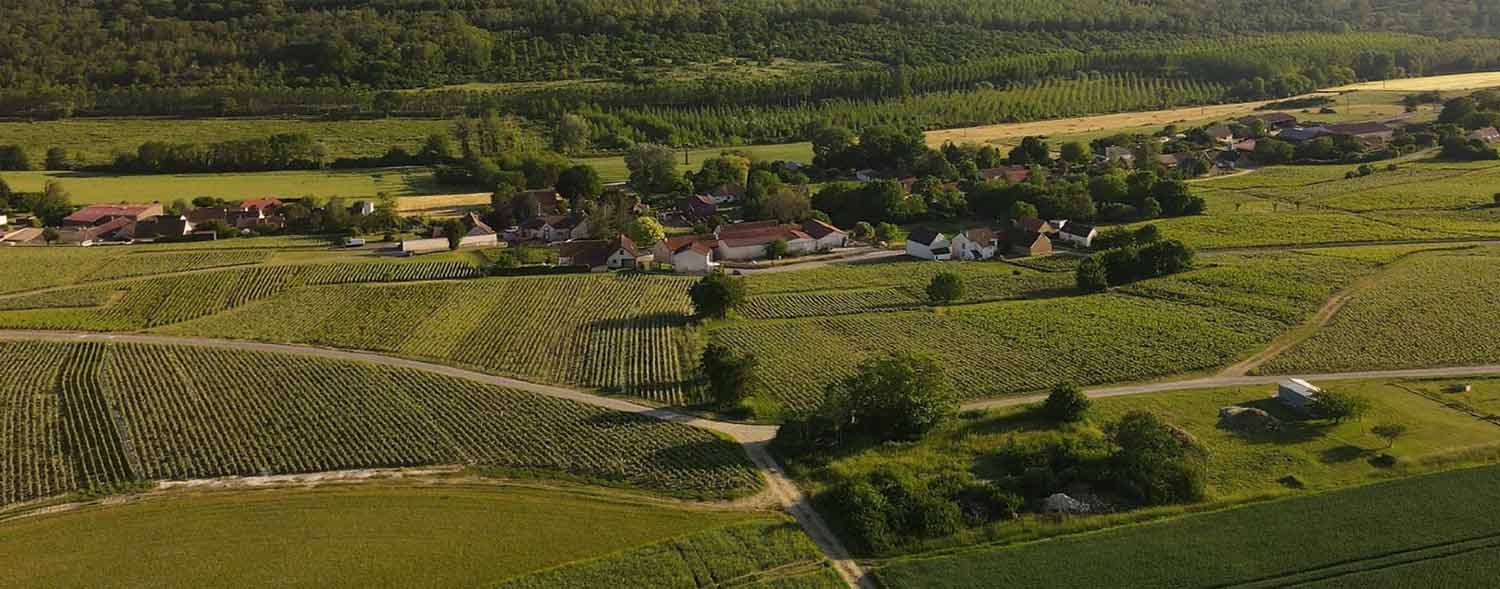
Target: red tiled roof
(263, 203)
(818, 229)
(93, 213)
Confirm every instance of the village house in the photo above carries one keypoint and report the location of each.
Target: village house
(1010, 174)
(689, 254)
(1297, 394)
(1029, 243)
(725, 193)
(825, 235)
(1300, 134)
(1271, 120)
(928, 245)
(477, 234)
(599, 255)
(1365, 131)
(748, 241)
(1485, 134)
(1078, 234)
(555, 228)
(697, 207)
(1033, 225)
(977, 243)
(1220, 133)
(1118, 153)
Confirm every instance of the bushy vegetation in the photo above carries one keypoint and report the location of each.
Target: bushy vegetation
(86, 415)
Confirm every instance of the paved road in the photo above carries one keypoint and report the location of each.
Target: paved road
(754, 438)
(1235, 381)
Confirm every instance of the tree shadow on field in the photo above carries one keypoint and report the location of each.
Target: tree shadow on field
(711, 455)
(1296, 428)
(1342, 453)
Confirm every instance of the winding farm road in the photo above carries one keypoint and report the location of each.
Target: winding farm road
(754, 438)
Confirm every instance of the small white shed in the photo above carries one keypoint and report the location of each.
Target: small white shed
(1297, 394)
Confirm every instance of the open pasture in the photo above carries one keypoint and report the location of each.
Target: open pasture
(362, 536)
(90, 187)
(1372, 528)
(1438, 310)
(81, 416)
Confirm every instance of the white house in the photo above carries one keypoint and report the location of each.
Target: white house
(555, 228)
(688, 254)
(1078, 234)
(974, 244)
(1297, 394)
(928, 245)
(825, 235)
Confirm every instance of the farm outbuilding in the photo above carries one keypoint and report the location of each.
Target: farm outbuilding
(928, 245)
(1297, 394)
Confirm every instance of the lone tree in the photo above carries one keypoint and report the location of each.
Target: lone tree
(50, 235)
(1389, 432)
(776, 249)
(717, 294)
(731, 376)
(1091, 275)
(1340, 406)
(897, 397)
(1066, 403)
(454, 230)
(946, 287)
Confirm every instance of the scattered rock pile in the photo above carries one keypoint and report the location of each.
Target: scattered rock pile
(1247, 420)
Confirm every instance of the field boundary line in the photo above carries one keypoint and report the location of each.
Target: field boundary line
(1383, 560)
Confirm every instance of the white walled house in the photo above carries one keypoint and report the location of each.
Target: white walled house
(978, 243)
(748, 241)
(1078, 234)
(599, 255)
(928, 245)
(1297, 394)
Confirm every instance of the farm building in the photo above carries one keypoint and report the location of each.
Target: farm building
(1297, 394)
(1029, 243)
(163, 226)
(1300, 134)
(826, 235)
(1116, 153)
(97, 215)
(1220, 133)
(1010, 174)
(1078, 234)
(1485, 134)
(928, 245)
(725, 193)
(599, 255)
(479, 234)
(1033, 225)
(23, 235)
(1272, 120)
(697, 207)
(555, 228)
(977, 243)
(748, 241)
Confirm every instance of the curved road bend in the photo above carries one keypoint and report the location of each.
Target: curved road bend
(754, 438)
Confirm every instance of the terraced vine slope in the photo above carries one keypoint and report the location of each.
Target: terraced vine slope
(76, 416)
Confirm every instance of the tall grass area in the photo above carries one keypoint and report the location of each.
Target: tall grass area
(371, 535)
(1320, 538)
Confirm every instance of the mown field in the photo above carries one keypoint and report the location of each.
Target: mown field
(763, 554)
(1192, 321)
(1439, 310)
(1388, 532)
(89, 187)
(97, 140)
(80, 416)
(367, 535)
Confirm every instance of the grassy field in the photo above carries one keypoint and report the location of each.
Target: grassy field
(80, 416)
(1413, 522)
(1422, 184)
(889, 285)
(97, 140)
(1435, 311)
(1289, 228)
(369, 535)
(87, 187)
(757, 555)
(1243, 466)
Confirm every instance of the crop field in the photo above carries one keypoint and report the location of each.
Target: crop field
(1414, 185)
(1379, 254)
(1288, 228)
(889, 285)
(755, 555)
(87, 415)
(1281, 286)
(1470, 81)
(90, 187)
(1436, 311)
(31, 268)
(1473, 222)
(349, 536)
(1415, 521)
(616, 333)
(1006, 347)
(97, 140)
(163, 300)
